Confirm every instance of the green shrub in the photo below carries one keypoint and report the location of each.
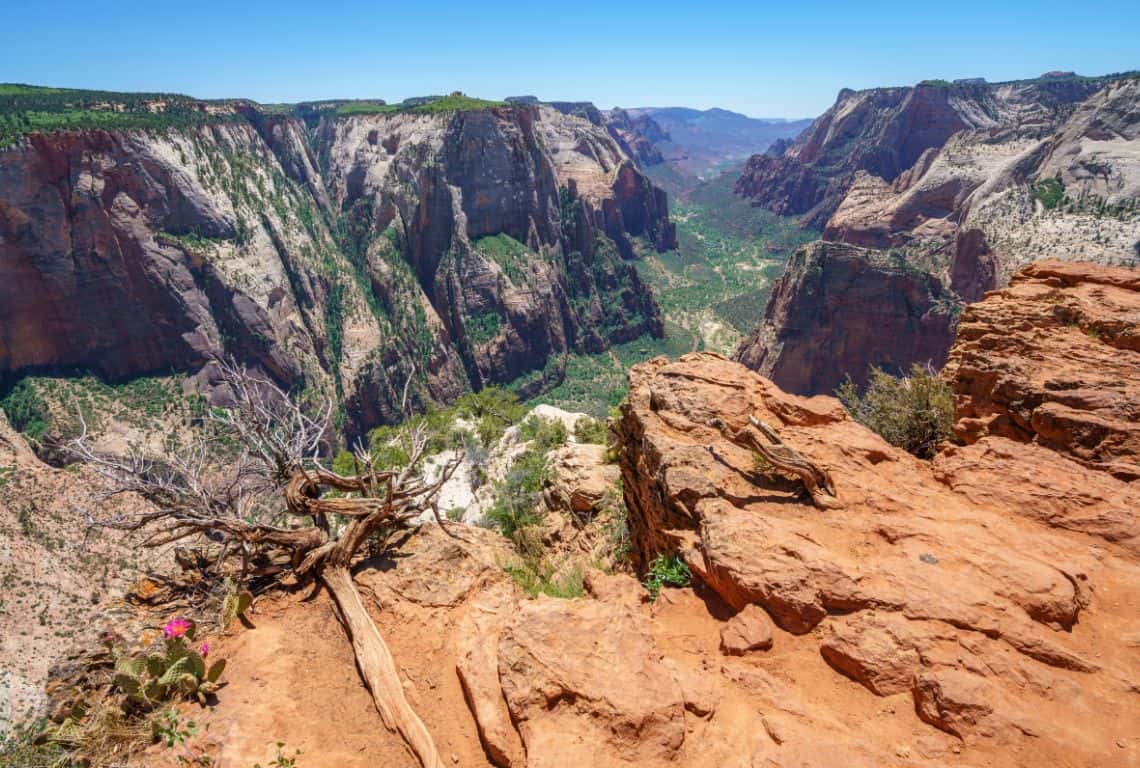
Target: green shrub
(27, 411)
(483, 328)
(30, 746)
(493, 409)
(590, 430)
(544, 434)
(454, 102)
(517, 495)
(344, 463)
(914, 412)
(666, 571)
(1050, 192)
(540, 579)
(390, 444)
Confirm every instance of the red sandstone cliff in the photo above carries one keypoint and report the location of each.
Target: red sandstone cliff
(341, 254)
(838, 309)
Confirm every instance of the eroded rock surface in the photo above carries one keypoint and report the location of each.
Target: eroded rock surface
(995, 620)
(1055, 359)
(340, 255)
(578, 479)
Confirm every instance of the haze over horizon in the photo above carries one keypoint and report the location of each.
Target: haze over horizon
(784, 61)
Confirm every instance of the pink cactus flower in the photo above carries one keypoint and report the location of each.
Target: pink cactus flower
(204, 649)
(175, 628)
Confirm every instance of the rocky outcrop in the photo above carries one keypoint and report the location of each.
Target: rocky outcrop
(886, 131)
(639, 136)
(838, 310)
(337, 253)
(882, 131)
(510, 226)
(578, 479)
(953, 171)
(996, 616)
(1054, 359)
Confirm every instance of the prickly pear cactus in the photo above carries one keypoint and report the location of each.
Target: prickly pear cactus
(235, 604)
(178, 669)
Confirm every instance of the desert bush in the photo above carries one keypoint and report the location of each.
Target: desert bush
(587, 429)
(914, 412)
(516, 502)
(517, 495)
(666, 571)
(26, 410)
(28, 745)
(493, 409)
(1050, 192)
(543, 434)
(538, 577)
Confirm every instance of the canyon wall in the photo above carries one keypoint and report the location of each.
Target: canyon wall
(838, 309)
(339, 253)
(964, 183)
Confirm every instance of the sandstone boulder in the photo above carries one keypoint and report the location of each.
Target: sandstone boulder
(747, 631)
(578, 479)
(585, 686)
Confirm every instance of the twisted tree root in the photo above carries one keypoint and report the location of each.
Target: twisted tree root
(759, 437)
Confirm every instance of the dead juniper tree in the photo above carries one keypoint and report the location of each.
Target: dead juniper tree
(253, 482)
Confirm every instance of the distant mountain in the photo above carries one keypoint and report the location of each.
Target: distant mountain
(698, 140)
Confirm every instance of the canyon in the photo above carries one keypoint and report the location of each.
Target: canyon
(976, 609)
(726, 569)
(341, 250)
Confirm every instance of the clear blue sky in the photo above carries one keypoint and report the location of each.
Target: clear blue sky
(785, 59)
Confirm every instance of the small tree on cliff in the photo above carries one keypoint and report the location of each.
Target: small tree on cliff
(253, 483)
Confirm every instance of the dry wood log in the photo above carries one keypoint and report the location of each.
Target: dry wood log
(759, 437)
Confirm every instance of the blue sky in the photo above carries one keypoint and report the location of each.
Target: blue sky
(784, 59)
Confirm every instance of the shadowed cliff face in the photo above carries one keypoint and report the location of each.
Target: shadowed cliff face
(342, 255)
(838, 309)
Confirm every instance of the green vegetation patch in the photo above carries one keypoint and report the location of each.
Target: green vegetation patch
(366, 108)
(26, 410)
(1050, 192)
(915, 412)
(666, 571)
(489, 412)
(511, 255)
(483, 327)
(516, 503)
(39, 406)
(455, 102)
(28, 109)
(543, 580)
(595, 383)
(716, 284)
